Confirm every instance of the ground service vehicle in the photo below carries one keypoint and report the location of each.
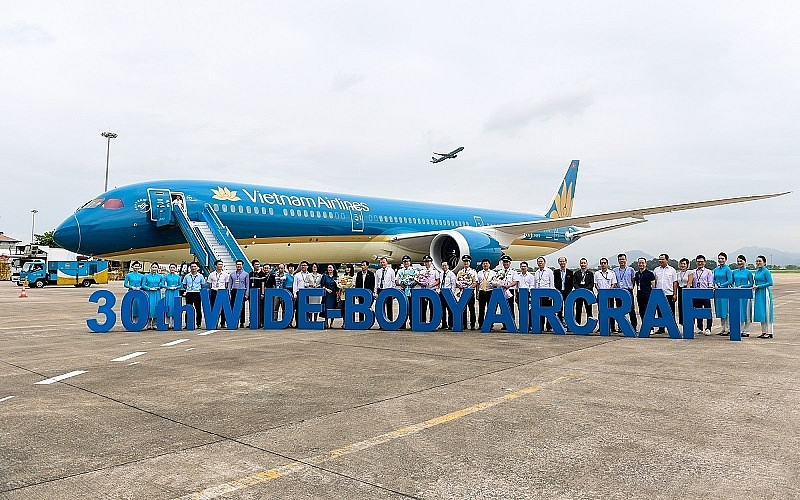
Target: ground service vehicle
(39, 273)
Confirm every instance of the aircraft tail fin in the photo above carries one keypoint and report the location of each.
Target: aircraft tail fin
(562, 201)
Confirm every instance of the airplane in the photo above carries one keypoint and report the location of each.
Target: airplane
(169, 220)
(445, 156)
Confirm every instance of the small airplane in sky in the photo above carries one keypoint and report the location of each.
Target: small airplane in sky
(171, 220)
(445, 156)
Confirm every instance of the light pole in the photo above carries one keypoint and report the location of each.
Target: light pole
(33, 223)
(109, 136)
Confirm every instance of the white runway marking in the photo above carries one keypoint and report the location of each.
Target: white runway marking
(5, 398)
(129, 356)
(208, 332)
(175, 342)
(134, 363)
(60, 377)
(190, 349)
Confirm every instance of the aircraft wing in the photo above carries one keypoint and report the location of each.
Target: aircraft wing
(437, 160)
(505, 234)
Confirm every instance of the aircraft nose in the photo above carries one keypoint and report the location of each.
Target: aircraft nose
(68, 234)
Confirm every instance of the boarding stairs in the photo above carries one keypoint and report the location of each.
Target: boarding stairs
(209, 239)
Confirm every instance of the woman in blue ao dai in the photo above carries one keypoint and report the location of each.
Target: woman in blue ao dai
(723, 278)
(763, 310)
(743, 278)
(152, 285)
(134, 281)
(172, 286)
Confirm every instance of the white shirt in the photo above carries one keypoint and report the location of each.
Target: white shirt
(433, 276)
(218, 280)
(448, 280)
(485, 276)
(384, 278)
(543, 278)
(527, 280)
(299, 281)
(666, 278)
(604, 280)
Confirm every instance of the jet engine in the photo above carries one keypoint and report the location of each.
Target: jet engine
(451, 245)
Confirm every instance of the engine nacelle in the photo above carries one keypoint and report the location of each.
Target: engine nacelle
(452, 244)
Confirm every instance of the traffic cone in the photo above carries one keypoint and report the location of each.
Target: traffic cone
(22, 294)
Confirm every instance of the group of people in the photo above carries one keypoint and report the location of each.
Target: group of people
(639, 283)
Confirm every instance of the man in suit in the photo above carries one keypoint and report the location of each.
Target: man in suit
(583, 278)
(365, 279)
(562, 277)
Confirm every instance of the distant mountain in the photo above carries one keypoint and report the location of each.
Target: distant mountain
(633, 256)
(774, 256)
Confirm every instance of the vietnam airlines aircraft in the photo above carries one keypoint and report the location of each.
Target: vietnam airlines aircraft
(446, 156)
(170, 220)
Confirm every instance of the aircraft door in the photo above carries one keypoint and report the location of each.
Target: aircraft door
(478, 220)
(160, 206)
(357, 217)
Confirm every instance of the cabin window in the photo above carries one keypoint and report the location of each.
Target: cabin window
(330, 215)
(271, 212)
(318, 214)
(285, 212)
(249, 210)
(311, 213)
(291, 211)
(113, 204)
(216, 207)
(305, 213)
(224, 208)
(241, 210)
(93, 203)
(324, 215)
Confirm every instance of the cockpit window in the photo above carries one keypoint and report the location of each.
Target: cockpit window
(93, 203)
(113, 204)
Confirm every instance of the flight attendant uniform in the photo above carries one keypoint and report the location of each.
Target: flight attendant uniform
(152, 286)
(723, 278)
(763, 310)
(134, 281)
(743, 278)
(172, 285)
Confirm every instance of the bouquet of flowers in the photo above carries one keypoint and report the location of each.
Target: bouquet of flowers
(344, 282)
(464, 279)
(503, 278)
(407, 278)
(423, 277)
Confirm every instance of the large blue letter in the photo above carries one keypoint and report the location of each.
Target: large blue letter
(180, 310)
(402, 308)
(109, 299)
(304, 308)
(417, 296)
(524, 295)
(690, 313)
(606, 311)
(550, 313)
(288, 307)
(142, 304)
(658, 301)
(353, 306)
(498, 298)
(457, 307)
(735, 296)
(569, 311)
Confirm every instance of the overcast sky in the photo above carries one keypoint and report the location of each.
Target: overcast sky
(661, 102)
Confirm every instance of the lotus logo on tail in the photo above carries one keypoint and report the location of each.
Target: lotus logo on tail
(562, 204)
(225, 194)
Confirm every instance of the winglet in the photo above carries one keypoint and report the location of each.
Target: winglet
(562, 201)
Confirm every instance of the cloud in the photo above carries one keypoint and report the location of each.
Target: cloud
(343, 82)
(517, 115)
(22, 34)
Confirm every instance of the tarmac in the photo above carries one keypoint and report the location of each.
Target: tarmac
(374, 414)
